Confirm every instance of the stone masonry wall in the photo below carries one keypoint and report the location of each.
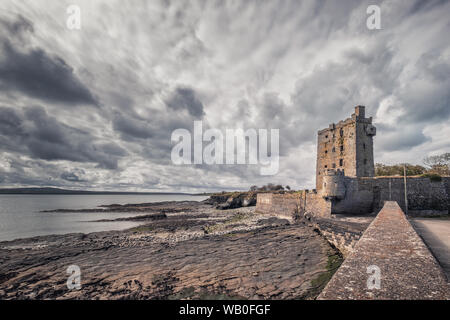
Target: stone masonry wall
(365, 195)
(358, 197)
(446, 183)
(281, 205)
(423, 194)
(316, 205)
(293, 205)
(342, 234)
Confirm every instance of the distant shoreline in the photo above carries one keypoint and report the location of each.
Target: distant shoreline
(85, 192)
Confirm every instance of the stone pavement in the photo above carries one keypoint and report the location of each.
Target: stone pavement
(436, 234)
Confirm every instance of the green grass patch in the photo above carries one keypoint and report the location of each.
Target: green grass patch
(319, 283)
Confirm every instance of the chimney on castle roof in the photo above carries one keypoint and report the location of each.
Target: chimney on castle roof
(360, 111)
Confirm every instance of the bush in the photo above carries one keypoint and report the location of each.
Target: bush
(268, 187)
(433, 177)
(397, 170)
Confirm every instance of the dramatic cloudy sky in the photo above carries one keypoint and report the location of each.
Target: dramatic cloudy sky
(95, 108)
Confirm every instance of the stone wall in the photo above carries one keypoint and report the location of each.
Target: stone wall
(406, 267)
(365, 195)
(362, 196)
(281, 205)
(446, 183)
(358, 198)
(316, 205)
(293, 205)
(423, 194)
(341, 234)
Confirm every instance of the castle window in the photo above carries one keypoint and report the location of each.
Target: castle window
(326, 151)
(334, 165)
(333, 150)
(326, 166)
(341, 132)
(341, 162)
(326, 137)
(342, 148)
(364, 146)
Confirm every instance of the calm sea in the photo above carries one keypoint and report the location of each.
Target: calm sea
(20, 215)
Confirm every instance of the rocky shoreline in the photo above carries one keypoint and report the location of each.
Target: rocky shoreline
(181, 250)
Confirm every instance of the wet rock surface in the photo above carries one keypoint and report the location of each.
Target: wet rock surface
(195, 252)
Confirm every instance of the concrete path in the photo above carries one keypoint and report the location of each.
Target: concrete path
(436, 234)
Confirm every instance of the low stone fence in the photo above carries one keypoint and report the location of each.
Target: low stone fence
(281, 205)
(390, 261)
(341, 234)
(293, 205)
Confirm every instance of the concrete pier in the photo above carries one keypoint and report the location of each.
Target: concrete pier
(391, 251)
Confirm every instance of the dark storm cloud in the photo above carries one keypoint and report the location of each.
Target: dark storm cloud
(131, 127)
(17, 27)
(36, 73)
(70, 176)
(39, 75)
(10, 121)
(412, 136)
(427, 96)
(421, 5)
(184, 98)
(44, 137)
(151, 137)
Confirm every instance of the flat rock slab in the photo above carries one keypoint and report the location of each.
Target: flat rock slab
(270, 263)
(407, 268)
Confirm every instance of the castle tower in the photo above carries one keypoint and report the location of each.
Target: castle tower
(333, 186)
(347, 146)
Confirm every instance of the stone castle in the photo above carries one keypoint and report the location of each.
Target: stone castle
(346, 182)
(345, 148)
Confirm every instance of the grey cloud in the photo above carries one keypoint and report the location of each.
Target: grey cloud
(70, 176)
(10, 121)
(36, 73)
(131, 127)
(17, 27)
(420, 5)
(44, 137)
(184, 98)
(405, 139)
(39, 75)
(112, 149)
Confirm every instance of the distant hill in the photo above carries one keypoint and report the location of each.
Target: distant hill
(65, 191)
